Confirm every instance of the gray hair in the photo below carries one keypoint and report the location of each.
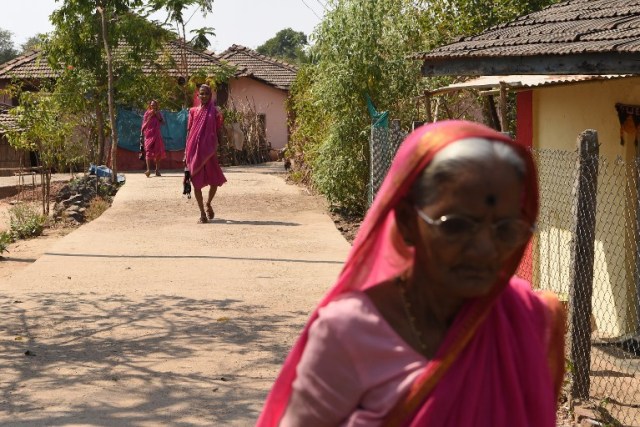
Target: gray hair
(458, 156)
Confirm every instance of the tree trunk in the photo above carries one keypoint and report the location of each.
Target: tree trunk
(185, 67)
(44, 190)
(110, 95)
(99, 158)
(47, 191)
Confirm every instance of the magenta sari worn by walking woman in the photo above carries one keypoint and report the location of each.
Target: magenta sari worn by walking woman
(501, 362)
(153, 143)
(202, 144)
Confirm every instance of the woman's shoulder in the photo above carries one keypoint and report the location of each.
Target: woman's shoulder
(520, 296)
(349, 311)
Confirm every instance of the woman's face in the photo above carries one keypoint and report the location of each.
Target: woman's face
(467, 268)
(154, 105)
(205, 95)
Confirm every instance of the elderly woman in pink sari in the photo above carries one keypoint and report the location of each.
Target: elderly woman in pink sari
(426, 325)
(153, 143)
(200, 153)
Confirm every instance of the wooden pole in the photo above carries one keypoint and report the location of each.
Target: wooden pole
(427, 104)
(504, 126)
(582, 256)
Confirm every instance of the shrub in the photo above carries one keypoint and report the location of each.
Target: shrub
(25, 222)
(5, 240)
(96, 207)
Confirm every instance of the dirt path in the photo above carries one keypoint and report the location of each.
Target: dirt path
(143, 317)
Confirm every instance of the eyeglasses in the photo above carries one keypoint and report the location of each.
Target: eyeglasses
(509, 232)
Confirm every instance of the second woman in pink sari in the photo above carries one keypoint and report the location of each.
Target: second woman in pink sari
(426, 325)
(200, 153)
(153, 143)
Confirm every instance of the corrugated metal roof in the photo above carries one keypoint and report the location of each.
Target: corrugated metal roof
(274, 72)
(523, 81)
(570, 27)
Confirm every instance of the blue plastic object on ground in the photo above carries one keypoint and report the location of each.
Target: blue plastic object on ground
(100, 171)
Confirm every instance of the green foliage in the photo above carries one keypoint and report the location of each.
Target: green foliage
(5, 240)
(287, 44)
(47, 128)
(200, 40)
(25, 222)
(361, 48)
(34, 43)
(7, 50)
(445, 20)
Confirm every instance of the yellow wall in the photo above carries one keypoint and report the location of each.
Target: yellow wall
(560, 114)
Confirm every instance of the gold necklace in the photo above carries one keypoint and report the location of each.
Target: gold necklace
(412, 320)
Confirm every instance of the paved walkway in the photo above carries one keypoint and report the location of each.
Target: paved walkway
(144, 317)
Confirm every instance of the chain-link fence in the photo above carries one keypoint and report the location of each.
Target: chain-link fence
(383, 144)
(586, 249)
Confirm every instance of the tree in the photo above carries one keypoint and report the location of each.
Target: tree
(444, 20)
(7, 50)
(83, 40)
(361, 46)
(287, 44)
(45, 127)
(175, 14)
(33, 43)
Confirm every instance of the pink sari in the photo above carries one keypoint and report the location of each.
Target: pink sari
(502, 361)
(153, 143)
(202, 144)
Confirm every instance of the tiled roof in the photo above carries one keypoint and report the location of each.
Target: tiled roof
(7, 121)
(34, 65)
(570, 27)
(170, 59)
(274, 72)
(31, 65)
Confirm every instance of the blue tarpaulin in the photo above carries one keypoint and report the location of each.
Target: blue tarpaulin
(174, 130)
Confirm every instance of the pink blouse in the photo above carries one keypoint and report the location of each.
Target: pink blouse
(354, 367)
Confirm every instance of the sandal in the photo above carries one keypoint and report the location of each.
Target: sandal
(147, 173)
(203, 220)
(210, 213)
(158, 173)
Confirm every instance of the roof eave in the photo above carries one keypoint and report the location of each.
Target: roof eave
(579, 63)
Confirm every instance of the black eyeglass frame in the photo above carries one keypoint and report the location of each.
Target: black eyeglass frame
(526, 228)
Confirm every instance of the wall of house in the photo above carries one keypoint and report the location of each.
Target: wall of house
(560, 114)
(5, 98)
(10, 158)
(268, 101)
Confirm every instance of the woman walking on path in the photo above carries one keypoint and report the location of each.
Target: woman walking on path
(200, 153)
(153, 143)
(426, 325)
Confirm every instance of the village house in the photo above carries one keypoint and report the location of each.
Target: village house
(32, 68)
(572, 66)
(262, 85)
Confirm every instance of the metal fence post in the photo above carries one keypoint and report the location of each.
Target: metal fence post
(582, 257)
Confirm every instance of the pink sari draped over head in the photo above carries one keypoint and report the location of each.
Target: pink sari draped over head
(502, 361)
(153, 143)
(202, 144)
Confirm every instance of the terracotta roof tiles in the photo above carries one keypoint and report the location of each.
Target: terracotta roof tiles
(34, 65)
(274, 72)
(7, 121)
(574, 26)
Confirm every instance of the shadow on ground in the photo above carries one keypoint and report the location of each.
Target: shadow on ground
(107, 361)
